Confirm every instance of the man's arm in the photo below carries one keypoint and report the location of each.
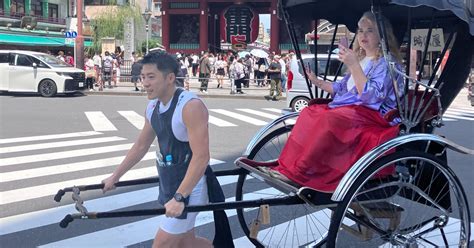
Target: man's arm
(195, 117)
(134, 155)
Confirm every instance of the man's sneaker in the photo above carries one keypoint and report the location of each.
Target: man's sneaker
(268, 98)
(204, 91)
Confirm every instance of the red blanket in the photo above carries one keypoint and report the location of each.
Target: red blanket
(326, 142)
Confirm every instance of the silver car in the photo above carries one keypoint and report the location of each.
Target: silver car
(297, 95)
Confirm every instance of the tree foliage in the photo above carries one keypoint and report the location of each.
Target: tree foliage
(110, 23)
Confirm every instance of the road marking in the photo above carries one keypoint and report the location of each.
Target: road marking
(461, 111)
(66, 168)
(59, 144)
(61, 155)
(48, 137)
(50, 216)
(99, 122)
(278, 111)
(33, 192)
(137, 120)
(259, 113)
(459, 117)
(239, 117)
(131, 233)
(219, 122)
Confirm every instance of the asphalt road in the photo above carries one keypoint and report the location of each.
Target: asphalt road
(34, 164)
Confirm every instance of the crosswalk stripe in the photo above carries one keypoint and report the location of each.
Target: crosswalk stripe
(239, 117)
(99, 121)
(219, 122)
(59, 144)
(33, 192)
(460, 111)
(259, 113)
(136, 232)
(61, 155)
(45, 217)
(65, 168)
(275, 110)
(137, 120)
(48, 137)
(448, 119)
(459, 117)
(469, 109)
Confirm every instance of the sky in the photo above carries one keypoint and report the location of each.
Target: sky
(265, 19)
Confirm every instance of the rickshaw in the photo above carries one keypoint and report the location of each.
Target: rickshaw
(422, 203)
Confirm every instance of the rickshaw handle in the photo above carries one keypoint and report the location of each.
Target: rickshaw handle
(61, 192)
(287, 200)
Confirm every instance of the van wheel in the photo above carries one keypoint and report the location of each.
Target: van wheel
(47, 88)
(299, 103)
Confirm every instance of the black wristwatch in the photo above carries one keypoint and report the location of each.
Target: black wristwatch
(178, 197)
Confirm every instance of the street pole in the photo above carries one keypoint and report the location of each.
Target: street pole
(146, 29)
(146, 15)
(79, 39)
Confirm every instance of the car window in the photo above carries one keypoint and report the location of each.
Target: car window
(24, 60)
(52, 61)
(4, 58)
(322, 63)
(39, 63)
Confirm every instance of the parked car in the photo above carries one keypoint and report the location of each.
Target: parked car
(28, 71)
(297, 94)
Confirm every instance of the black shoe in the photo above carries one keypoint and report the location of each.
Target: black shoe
(268, 98)
(136, 89)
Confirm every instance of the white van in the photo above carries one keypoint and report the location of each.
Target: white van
(297, 95)
(28, 71)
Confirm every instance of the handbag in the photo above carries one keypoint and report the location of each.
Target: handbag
(90, 73)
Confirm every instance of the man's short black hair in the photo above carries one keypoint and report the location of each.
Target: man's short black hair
(164, 62)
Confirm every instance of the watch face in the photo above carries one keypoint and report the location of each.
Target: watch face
(179, 197)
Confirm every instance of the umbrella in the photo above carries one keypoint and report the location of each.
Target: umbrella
(243, 54)
(259, 53)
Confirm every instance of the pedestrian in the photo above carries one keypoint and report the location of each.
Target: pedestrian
(61, 56)
(98, 69)
(69, 58)
(282, 61)
(136, 71)
(90, 72)
(274, 74)
(239, 75)
(107, 68)
(183, 62)
(247, 62)
(204, 72)
(179, 119)
(262, 69)
(195, 63)
(221, 66)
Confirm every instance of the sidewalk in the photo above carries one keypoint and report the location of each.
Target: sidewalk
(253, 92)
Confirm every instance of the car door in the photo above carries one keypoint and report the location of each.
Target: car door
(23, 74)
(4, 70)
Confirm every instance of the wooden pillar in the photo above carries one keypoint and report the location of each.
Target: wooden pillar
(165, 25)
(203, 26)
(274, 29)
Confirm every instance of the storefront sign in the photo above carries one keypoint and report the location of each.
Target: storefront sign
(418, 39)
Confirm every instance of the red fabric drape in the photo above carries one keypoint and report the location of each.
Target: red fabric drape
(326, 142)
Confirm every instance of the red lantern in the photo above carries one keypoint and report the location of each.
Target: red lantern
(239, 24)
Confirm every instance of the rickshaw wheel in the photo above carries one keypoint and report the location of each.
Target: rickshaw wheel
(290, 225)
(422, 204)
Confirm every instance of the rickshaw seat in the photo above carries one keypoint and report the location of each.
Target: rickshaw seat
(319, 101)
(431, 112)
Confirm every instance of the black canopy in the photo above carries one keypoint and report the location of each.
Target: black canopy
(347, 12)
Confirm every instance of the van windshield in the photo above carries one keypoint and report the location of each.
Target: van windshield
(52, 61)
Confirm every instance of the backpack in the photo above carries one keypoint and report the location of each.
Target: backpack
(107, 65)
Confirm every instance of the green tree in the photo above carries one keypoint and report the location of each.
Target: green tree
(110, 23)
(152, 43)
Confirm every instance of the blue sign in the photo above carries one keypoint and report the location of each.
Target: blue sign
(71, 34)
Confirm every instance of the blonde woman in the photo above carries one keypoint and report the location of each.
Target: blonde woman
(328, 139)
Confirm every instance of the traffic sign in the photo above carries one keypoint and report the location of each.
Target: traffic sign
(70, 34)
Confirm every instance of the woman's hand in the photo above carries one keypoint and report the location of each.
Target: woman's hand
(348, 56)
(312, 77)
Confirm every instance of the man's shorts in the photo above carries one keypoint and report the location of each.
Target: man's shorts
(179, 226)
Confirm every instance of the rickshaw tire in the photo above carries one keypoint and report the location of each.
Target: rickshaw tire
(372, 168)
